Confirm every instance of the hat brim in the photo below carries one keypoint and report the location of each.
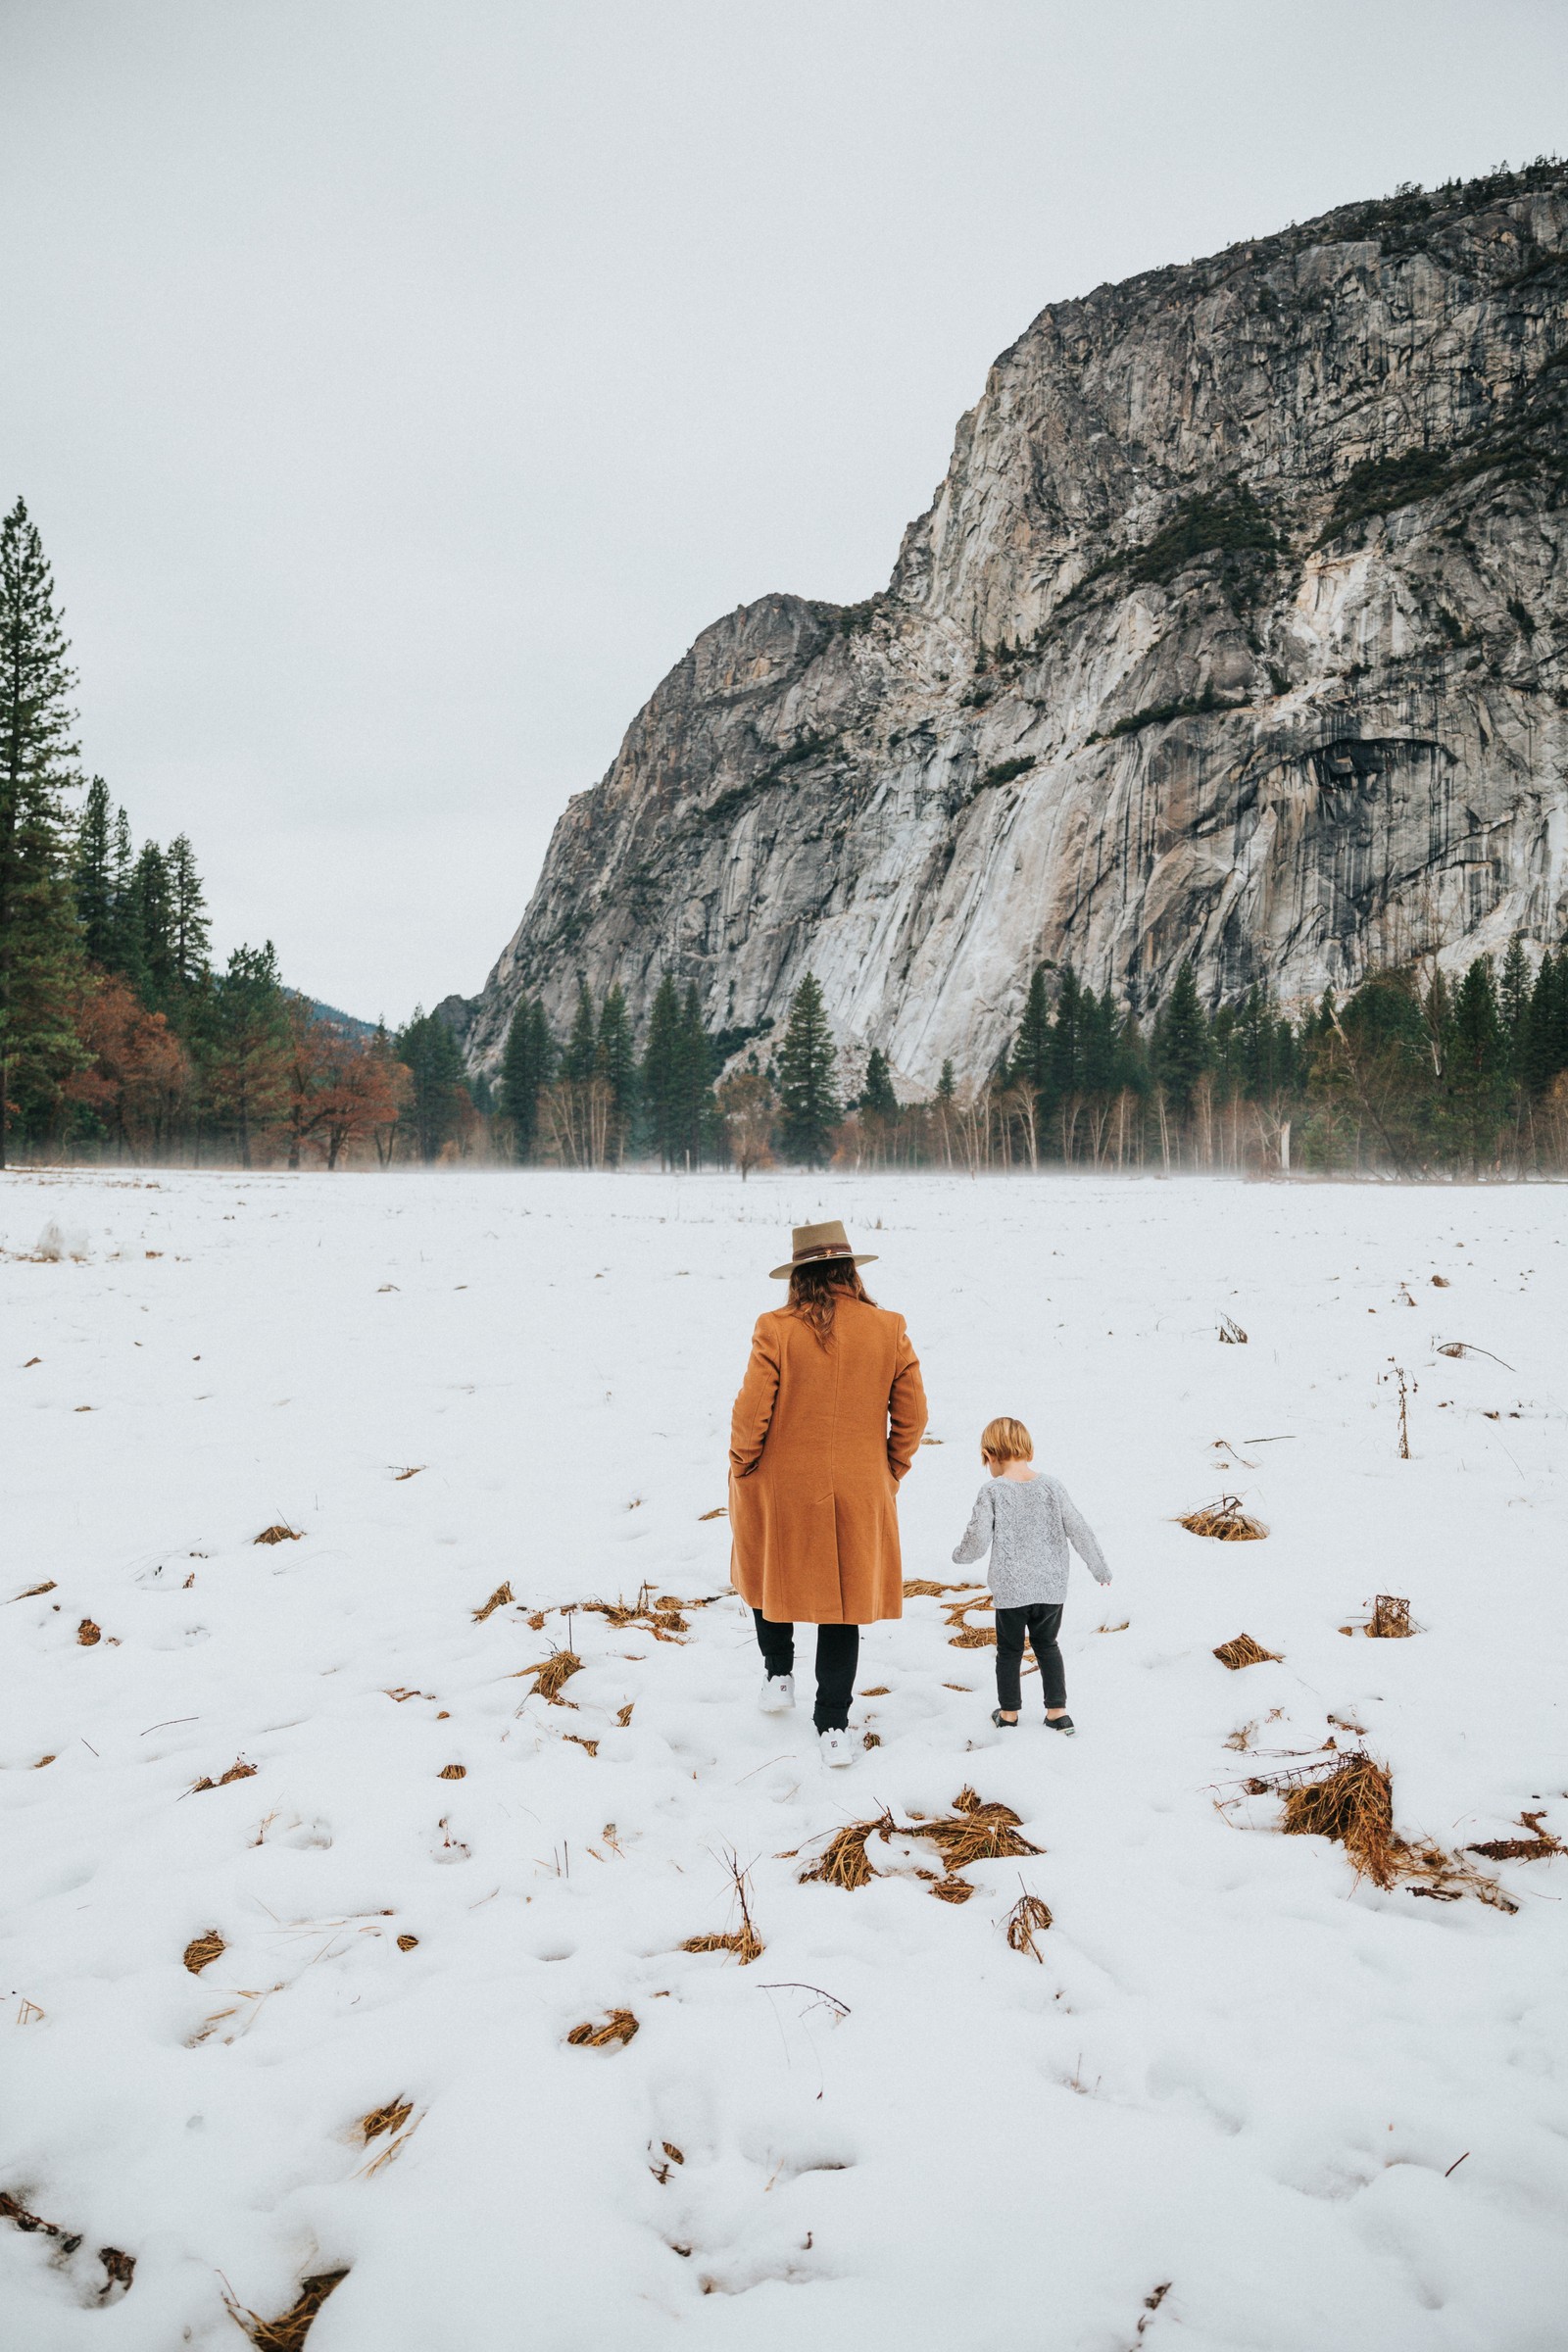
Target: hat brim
(783, 1273)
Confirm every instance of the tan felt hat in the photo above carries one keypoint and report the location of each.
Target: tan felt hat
(820, 1245)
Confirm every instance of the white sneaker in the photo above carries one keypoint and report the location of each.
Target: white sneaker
(777, 1694)
(836, 1749)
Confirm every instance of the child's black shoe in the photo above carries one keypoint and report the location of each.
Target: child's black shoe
(1060, 1723)
(1003, 1723)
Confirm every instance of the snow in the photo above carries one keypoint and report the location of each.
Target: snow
(1236, 2070)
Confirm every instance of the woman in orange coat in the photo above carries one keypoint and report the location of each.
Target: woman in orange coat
(825, 1426)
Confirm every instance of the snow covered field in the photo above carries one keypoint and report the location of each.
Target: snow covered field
(1223, 2111)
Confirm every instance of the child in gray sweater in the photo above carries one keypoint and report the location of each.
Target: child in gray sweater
(1026, 1522)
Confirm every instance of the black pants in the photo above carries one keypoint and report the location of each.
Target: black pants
(1042, 1622)
(838, 1653)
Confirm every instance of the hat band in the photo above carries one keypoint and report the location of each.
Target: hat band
(829, 1249)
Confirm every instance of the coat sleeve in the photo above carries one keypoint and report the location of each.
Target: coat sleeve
(976, 1541)
(1081, 1535)
(907, 1407)
(754, 1406)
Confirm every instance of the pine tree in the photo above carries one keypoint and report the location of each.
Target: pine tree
(155, 923)
(946, 1086)
(1477, 1071)
(877, 1094)
(694, 1112)
(1513, 1002)
(247, 1040)
(1547, 1031)
(123, 951)
(1181, 1045)
(40, 938)
(1030, 1063)
(806, 1079)
(616, 1062)
(661, 1068)
(439, 1102)
(93, 873)
(190, 935)
(527, 1066)
(582, 1047)
(1066, 1042)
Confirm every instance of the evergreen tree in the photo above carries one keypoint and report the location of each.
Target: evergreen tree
(1180, 1045)
(93, 873)
(527, 1066)
(124, 943)
(39, 939)
(1066, 1042)
(1097, 1056)
(1030, 1063)
(1477, 1067)
(661, 1070)
(1547, 1029)
(946, 1088)
(616, 1062)
(247, 1042)
(155, 923)
(1513, 1004)
(806, 1078)
(438, 1094)
(877, 1094)
(694, 1113)
(582, 1047)
(190, 935)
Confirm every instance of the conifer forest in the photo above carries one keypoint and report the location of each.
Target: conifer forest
(122, 1040)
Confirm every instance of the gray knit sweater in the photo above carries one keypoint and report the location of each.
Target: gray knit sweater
(1026, 1526)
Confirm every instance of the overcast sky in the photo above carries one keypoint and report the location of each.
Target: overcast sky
(399, 385)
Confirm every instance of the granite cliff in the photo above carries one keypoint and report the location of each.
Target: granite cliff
(1236, 631)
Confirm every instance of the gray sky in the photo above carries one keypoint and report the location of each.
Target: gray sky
(399, 385)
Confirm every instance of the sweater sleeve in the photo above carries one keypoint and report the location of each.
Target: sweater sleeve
(1081, 1535)
(907, 1409)
(754, 1406)
(976, 1541)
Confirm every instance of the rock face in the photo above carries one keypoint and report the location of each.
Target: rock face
(1236, 631)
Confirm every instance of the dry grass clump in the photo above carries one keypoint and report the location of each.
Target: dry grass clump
(405, 1944)
(661, 1617)
(743, 1941)
(88, 1632)
(1225, 1521)
(500, 1599)
(239, 1770)
(578, 1741)
(624, 1714)
(844, 1861)
(1243, 1651)
(1231, 1333)
(1391, 1618)
(970, 1637)
(920, 1588)
(31, 1591)
(390, 2118)
(551, 1675)
(722, 1512)
(974, 1833)
(453, 1772)
(1532, 1848)
(620, 2025)
(951, 1889)
(287, 2333)
(203, 1950)
(1350, 1800)
(282, 1533)
(1029, 1916)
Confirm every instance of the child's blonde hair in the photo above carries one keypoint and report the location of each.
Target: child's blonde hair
(1005, 1440)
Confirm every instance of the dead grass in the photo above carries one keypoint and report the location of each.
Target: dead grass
(578, 1741)
(624, 1714)
(407, 1944)
(951, 1889)
(282, 1533)
(1537, 1847)
(1350, 1800)
(920, 1588)
(239, 1770)
(1391, 1618)
(974, 1833)
(620, 2025)
(744, 1941)
(1029, 1916)
(1225, 1521)
(288, 2331)
(551, 1675)
(203, 1950)
(722, 1512)
(661, 1617)
(31, 1591)
(967, 1636)
(844, 1861)
(453, 1772)
(390, 2118)
(500, 1599)
(1244, 1651)
(88, 1632)
(1231, 1333)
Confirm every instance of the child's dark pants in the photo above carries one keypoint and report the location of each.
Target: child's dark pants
(838, 1653)
(1042, 1622)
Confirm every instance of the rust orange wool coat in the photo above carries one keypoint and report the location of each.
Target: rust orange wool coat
(820, 1440)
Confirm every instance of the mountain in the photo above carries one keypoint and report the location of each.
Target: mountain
(1236, 631)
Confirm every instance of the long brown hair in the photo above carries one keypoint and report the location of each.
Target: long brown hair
(816, 1290)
